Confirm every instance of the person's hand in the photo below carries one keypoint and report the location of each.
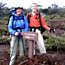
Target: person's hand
(16, 33)
(52, 30)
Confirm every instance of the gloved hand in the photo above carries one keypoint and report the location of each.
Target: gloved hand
(52, 30)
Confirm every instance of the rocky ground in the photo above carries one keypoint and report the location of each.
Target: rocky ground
(51, 58)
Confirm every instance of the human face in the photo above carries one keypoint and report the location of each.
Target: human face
(34, 8)
(18, 11)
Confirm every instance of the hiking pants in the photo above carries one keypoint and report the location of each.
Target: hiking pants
(15, 41)
(40, 42)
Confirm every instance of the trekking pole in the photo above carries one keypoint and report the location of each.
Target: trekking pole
(53, 31)
(56, 43)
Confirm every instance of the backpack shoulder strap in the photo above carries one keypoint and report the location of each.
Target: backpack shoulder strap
(42, 29)
(39, 14)
(23, 17)
(28, 17)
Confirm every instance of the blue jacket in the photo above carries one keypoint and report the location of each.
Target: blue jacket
(20, 23)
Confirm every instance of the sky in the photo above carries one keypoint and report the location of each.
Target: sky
(27, 3)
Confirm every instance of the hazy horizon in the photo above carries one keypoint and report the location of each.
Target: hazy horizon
(27, 3)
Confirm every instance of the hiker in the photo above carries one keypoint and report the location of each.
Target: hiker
(17, 25)
(35, 22)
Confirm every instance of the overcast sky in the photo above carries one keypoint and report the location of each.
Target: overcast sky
(27, 3)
